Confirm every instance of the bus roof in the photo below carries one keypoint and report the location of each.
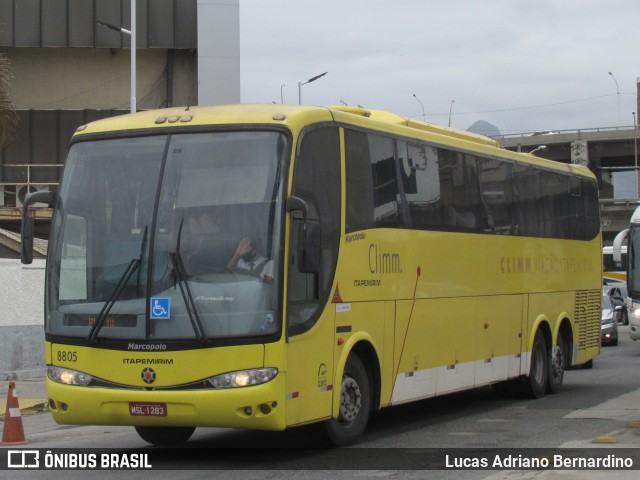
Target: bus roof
(394, 119)
(296, 117)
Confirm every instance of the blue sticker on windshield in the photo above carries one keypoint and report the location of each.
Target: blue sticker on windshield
(160, 308)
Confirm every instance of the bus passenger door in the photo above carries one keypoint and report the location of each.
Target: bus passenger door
(310, 350)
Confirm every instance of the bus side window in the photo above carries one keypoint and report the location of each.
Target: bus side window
(497, 195)
(317, 182)
(528, 209)
(360, 196)
(421, 184)
(460, 192)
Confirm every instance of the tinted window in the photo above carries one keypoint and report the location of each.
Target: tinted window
(584, 219)
(460, 190)
(386, 208)
(373, 196)
(431, 188)
(421, 183)
(359, 182)
(528, 206)
(317, 182)
(497, 195)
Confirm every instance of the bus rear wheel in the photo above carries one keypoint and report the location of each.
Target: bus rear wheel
(165, 435)
(535, 384)
(355, 405)
(557, 362)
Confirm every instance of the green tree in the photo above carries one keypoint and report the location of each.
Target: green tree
(8, 115)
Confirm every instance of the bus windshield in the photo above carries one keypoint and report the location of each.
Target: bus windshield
(168, 237)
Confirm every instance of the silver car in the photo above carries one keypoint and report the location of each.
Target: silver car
(609, 321)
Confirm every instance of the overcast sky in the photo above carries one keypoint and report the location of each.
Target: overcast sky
(521, 65)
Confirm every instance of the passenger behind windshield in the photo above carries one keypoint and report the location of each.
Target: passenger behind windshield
(248, 256)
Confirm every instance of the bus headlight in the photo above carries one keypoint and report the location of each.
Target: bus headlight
(243, 378)
(68, 376)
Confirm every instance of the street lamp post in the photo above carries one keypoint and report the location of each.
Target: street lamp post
(541, 147)
(281, 95)
(450, 109)
(133, 56)
(132, 34)
(312, 79)
(617, 94)
(424, 118)
(635, 151)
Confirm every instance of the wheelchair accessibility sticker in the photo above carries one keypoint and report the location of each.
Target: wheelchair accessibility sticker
(160, 308)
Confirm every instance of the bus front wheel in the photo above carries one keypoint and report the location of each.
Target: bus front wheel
(165, 435)
(355, 405)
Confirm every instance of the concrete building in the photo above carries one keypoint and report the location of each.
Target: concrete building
(69, 69)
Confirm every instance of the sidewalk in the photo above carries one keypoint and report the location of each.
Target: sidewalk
(624, 408)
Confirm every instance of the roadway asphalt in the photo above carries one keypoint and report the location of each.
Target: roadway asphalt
(32, 400)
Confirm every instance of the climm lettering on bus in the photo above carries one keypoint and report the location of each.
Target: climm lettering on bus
(515, 265)
(383, 262)
(545, 264)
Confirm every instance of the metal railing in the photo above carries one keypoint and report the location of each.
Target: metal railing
(568, 131)
(23, 175)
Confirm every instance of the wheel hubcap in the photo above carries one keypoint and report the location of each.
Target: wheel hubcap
(350, 400)
(557, 362)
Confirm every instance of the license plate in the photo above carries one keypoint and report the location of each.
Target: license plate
(140, 409)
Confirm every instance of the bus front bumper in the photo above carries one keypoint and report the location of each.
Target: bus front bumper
(257, 407)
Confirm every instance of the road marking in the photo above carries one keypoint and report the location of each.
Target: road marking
(604, 440)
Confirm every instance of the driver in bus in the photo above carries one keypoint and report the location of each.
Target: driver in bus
(248, 256)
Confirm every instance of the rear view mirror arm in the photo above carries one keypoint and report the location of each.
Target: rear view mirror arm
(26, 242)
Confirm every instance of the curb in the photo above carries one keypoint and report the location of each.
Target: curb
(30, 406)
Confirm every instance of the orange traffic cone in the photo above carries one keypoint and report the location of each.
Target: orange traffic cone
(13, 433)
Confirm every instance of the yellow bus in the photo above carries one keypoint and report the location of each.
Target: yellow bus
(612, 270)
(393, 260)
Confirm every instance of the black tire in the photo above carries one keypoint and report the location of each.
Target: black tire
(355, 405)
(535, 384)
(557, 365)
(165, 435)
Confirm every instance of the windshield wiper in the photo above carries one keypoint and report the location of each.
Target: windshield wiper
(187, 296)
(134, 265)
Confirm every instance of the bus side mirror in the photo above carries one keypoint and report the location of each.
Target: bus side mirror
(26, 243)
(309, 238)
